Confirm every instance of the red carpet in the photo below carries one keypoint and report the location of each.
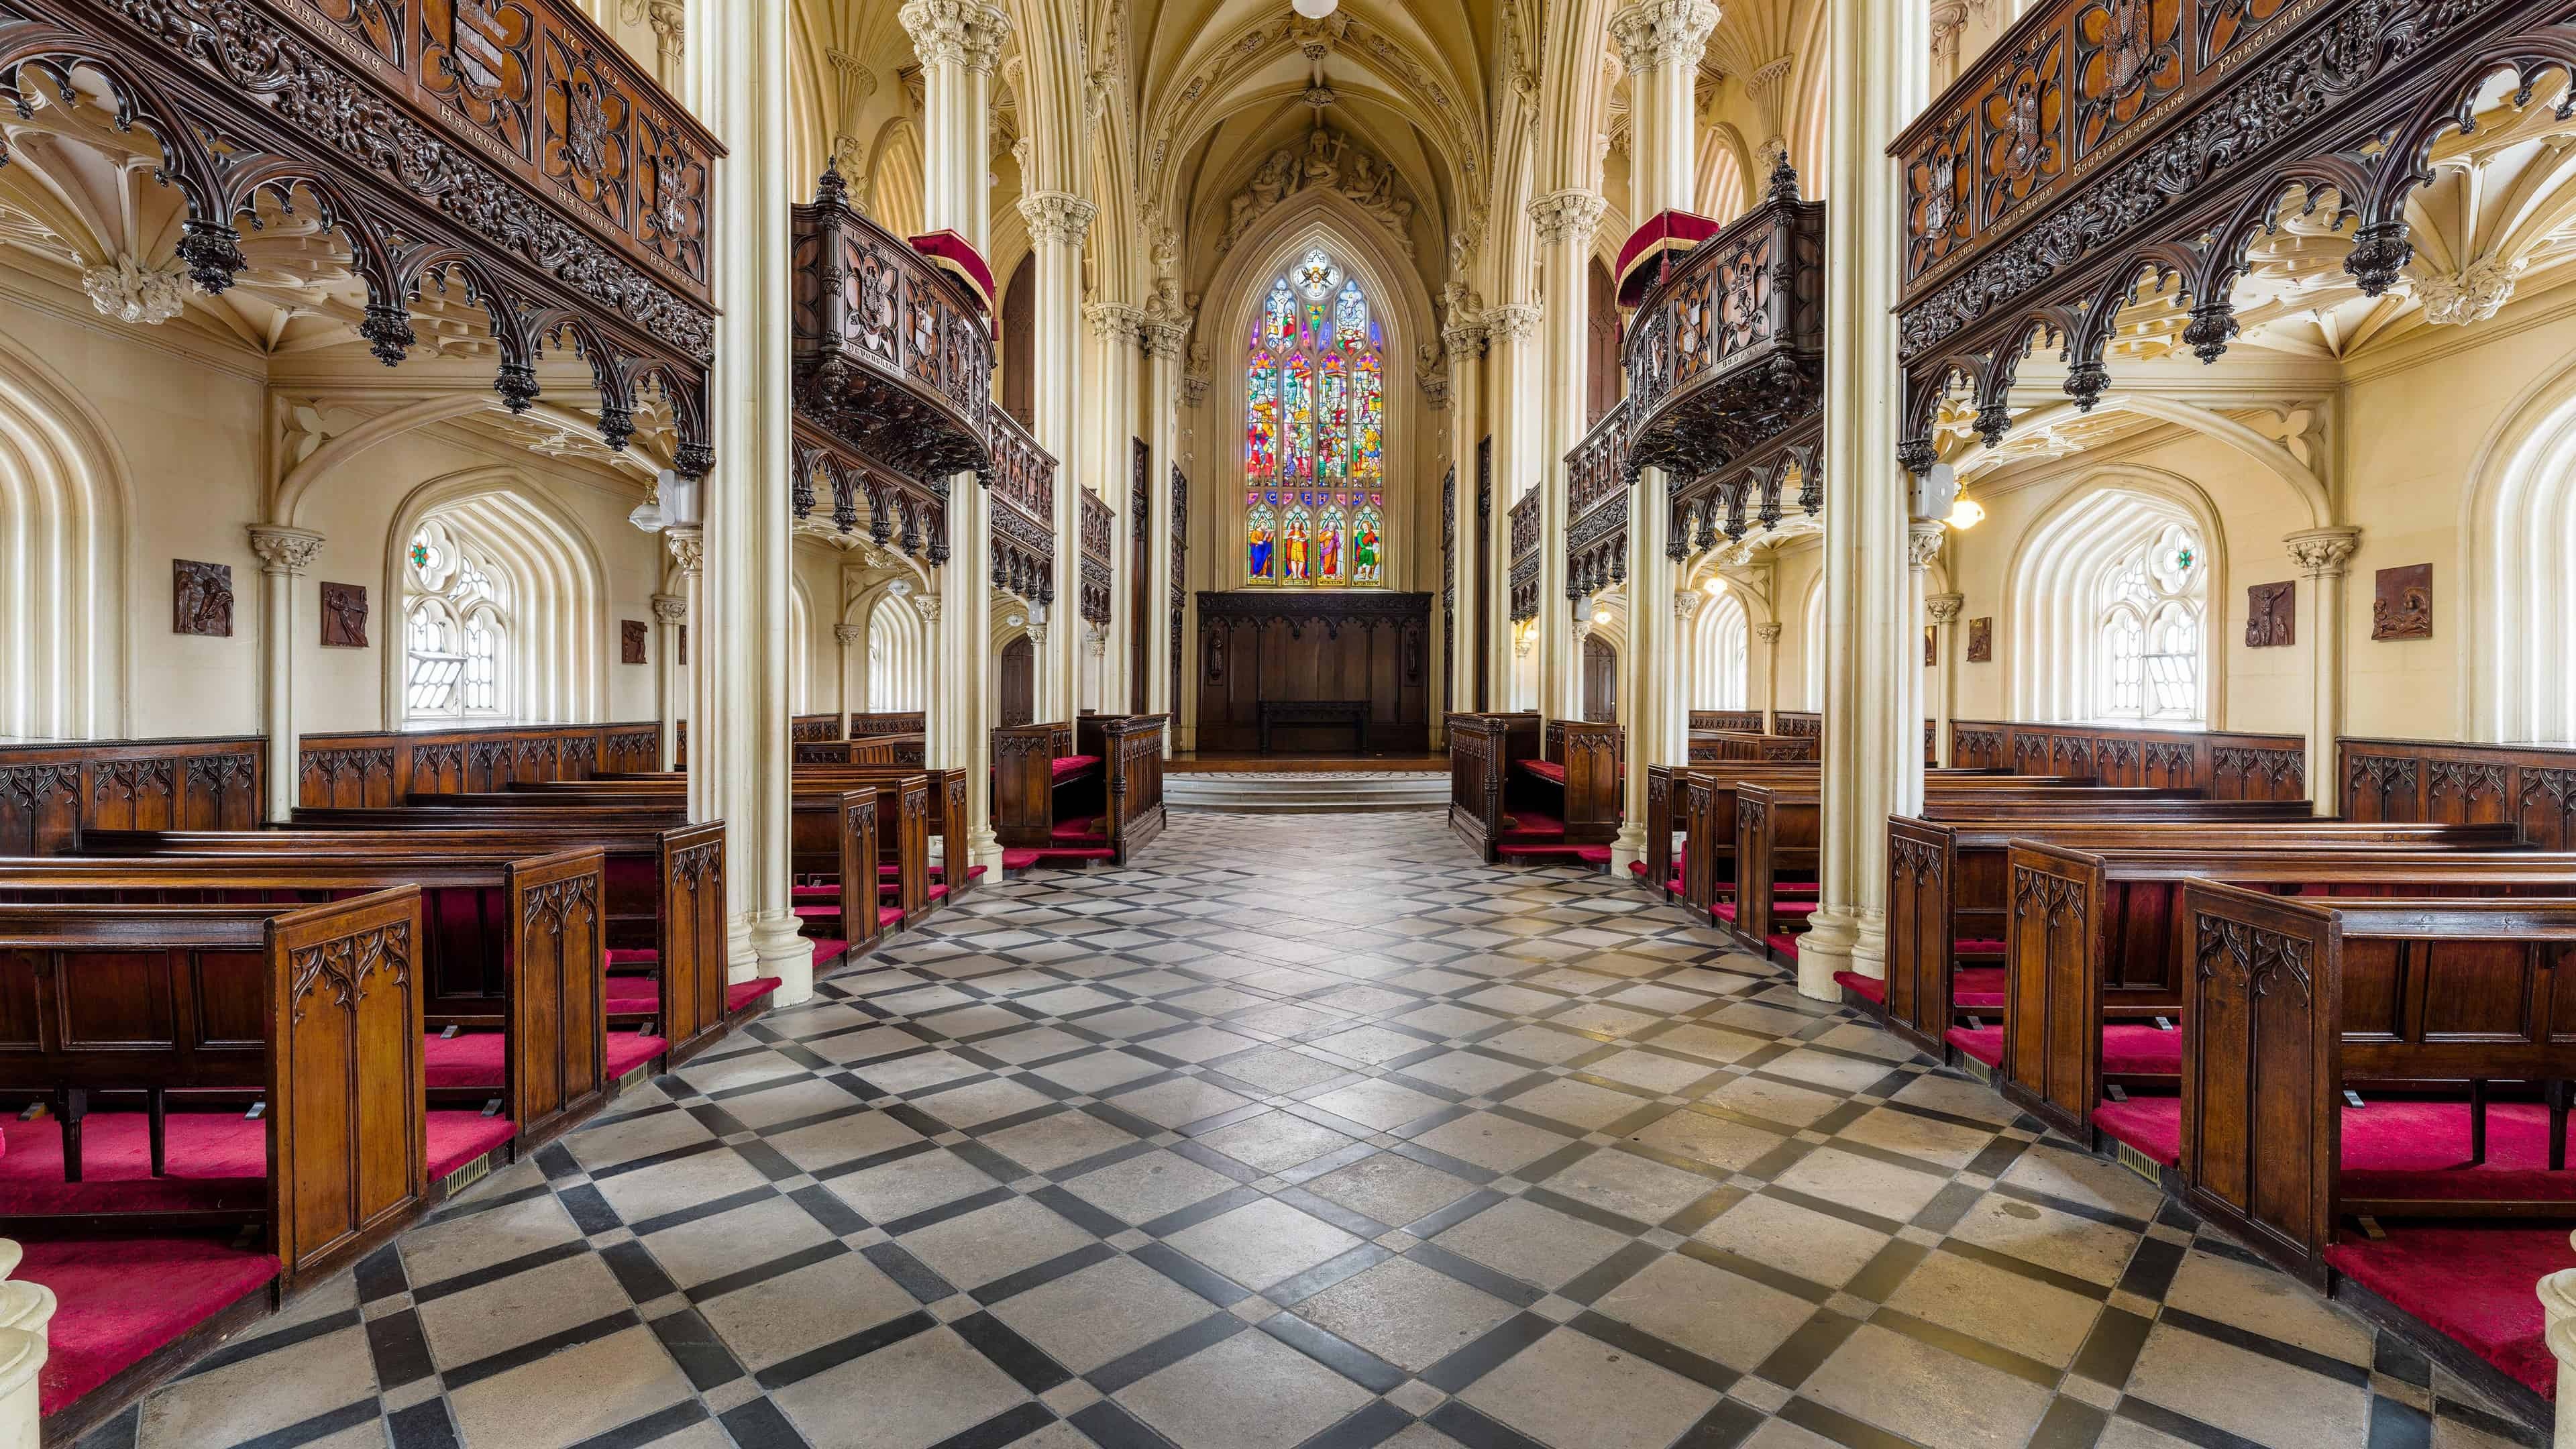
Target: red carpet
(1782, 942)
(634, 956)
(1979, 988)
(2152, 1125)
(642, 995)
(1547, 770)
(217, 1162)
(1069, 766)
(1984, 1044)
(457, 1138)
(2141, 1051)
(628, 1050)
(2420, 1150)
(1977, 946)
(1024, 858)
(2471, 1281)
(122, 1299)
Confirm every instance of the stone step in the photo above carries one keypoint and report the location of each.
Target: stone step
(1306, 793)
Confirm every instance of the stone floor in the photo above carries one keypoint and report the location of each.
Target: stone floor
(1312, 1131)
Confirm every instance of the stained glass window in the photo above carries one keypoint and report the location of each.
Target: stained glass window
(1314, 452)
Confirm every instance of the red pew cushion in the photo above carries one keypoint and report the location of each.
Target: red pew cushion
(627, 1050)
(1869, 988)
(740, 994)
(2469, 1282)
(820, 913)
(2152, 1125)
(1984, 1044)
(1976, 946)
(935, 893)
(826, 893)
(1019, 858)
(121, 1300)
(1068, 766)
(1547, 770)
(1637, 868)
(634, 956)
(457, 1138)
(2141, 1051)
(2420, 1150)
(1793, 908)
(1979, 988)
(467, 1059)
(1795, 888)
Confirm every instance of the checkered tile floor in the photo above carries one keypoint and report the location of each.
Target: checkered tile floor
(1312, 1132)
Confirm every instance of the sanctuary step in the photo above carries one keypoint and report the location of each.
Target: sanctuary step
(1306, 792)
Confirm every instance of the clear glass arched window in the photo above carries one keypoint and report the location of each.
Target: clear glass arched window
(2153, 602)
(456, 631)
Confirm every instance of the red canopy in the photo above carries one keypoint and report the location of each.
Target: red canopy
(957, 257)
(1664, 236)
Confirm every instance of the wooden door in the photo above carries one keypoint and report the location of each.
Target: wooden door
(1600, 682)
(1019, 703)
(1140, 572)
(1480, 603)
(1019, 342)
(1601, 346)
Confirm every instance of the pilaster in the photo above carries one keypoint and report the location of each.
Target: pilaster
(670, 687)
(1057, 223)
(1565, 222)
(2324, 555)
(284, 556)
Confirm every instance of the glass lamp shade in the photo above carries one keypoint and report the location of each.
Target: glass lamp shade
(1314, 9)
(1966, 513)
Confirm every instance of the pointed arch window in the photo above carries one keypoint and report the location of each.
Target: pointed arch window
(456, 631)
(1314, 450)
(2152, 600)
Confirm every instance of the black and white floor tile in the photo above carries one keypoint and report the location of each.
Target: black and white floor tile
(1310, 1131)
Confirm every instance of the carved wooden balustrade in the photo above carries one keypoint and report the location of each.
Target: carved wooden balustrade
(902, 512)
(1023, 512)
(1596, 505)
(1725, 363)
(2102, 147)
(1099, 529)
(512, 149)
(1527, 518)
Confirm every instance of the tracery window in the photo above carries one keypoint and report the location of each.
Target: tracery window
(1314, 446)
(456, 631)
(2152, 599)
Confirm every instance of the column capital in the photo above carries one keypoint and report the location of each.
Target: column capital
(1162, 337)
(1658, 33)
(1097, 639)
(927, 605)
(965, 31)
(1037, 633)
(1923, 540)
(1567, 216)
(1513, 321)
(284, 550)
(1687, 604)
(1768, 633)
(671, 608)
(1943, 608)
(1465, 340)
(1114, 321)
(1057, 218)
(849, 633)
(2323, 553)
(688, 549)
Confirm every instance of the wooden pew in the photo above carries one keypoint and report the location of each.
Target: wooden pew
(1483, 749)
(2101, 940)
(2288, 1000)
(314, 1010)
(1576, 777)
(665, 906)
(1710, 747)
(891, 722)
(1698, 803)
(868, 750)
(947, 820)
(1950, 895)
(512, 944)
(1090, 789)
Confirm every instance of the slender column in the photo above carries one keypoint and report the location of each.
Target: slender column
(1057, 223)
(688, 553)
(1661, 41)
(1686, 683)
(1464, 342)
(2558, 1330)
(26, 1311)
(1514, 329)
(743, 599)
(1873, 745)
(670, 616)
(1109, 413)
(1164, 333)
(2324, 555)
(847, 635)
(1565, 221)
(1769, 634)
(284, 555)
(958, 42)
(1941, 611)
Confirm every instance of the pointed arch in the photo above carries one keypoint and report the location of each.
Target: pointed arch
(2517, 521)
(1721, 645)
(555, 666)
(66, 549)
(2059, 587)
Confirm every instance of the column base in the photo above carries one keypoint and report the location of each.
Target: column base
(1831, 944)
(985, 849)
(783, 953)
(1628, 849)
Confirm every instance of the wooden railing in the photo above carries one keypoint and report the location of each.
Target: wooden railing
(2222, 765)
(896, 722)
(1596, 505)
(1024, 484)
(903, 512)
(1528, 530)
(380, 769)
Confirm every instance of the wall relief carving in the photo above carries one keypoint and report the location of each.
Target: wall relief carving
(344, 616)
(1330, 161)
(2271, 615)
(201, 599)
(2403, 608)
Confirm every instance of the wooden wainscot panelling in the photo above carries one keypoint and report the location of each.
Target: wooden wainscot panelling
(2531, 786)
(382, 769)
(49, 794)
(1266, 645)
(2225, 765)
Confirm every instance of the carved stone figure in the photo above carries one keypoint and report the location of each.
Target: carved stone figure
(1981, 641)
(631, 634)
(1328, 160)
(2271, 615)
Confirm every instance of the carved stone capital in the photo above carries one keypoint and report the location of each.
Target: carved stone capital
(1057, 218)
(960, 30)
(1922, 541)
(1659, 33)
(2322, 553)
(1687, 604)
(927, 605)
(1767, 633)
(688, 549)
(1514, 321)
(1038, 632)
(1096, 639)
(1943, 608)
(2473, 294)
(1465, 340)
(1162, 338)
(1114, 321)
(672, 609)
(849, 633)
(1567, 216)
(286, 551)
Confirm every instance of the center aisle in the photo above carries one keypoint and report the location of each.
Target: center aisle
(1312, 1131)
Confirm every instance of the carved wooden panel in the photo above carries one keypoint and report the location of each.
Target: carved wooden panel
(631, 634)
(49, 794)
(201, 599)
(1257, 645)
(344, 616)
(2271, 615)
(1981, 641)
(2403, 605)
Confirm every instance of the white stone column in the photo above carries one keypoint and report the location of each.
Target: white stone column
(284, 555)
(743, 598)
(1873, 726)
(1057, 223)
(1684, 692)
(1520, 366)
(1769, 634)
(1565, 221)
(670, 687)
(1109, 427)
(1164, 335)
(688, 554)
(1464, 342)
(957, 42)
(26, 1313)
(2558, 1330)
(1941, 611)
(2325, 556)
(847, 636)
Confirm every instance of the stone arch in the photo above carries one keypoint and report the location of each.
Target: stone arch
(1721, 652)
(2518, 517)
(2047, 648)
(557, 665)
(897, 644)
(288, 497)
(66, 561)
(2279, 461)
